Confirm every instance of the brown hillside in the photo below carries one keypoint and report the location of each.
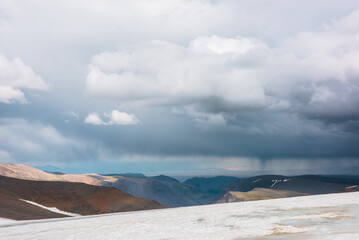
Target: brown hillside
(77, 198)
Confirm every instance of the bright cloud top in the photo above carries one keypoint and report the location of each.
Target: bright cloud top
(164, 73)
(16, 76)
(115, 118)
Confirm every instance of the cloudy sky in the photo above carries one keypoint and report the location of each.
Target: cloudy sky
(180, 86)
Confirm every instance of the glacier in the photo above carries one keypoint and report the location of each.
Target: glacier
(329, 216)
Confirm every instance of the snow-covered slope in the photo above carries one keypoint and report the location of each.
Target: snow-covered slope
(330, 216)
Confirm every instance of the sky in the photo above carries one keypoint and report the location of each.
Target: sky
(181, 87)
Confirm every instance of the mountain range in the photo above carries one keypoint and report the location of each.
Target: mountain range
(22, 187)
(164, 189)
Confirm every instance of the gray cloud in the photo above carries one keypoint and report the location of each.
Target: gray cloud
(257, 80)
(33, 142)
(314, 74)
(73, 114)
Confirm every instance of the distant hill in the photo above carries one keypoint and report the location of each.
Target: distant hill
(25, 172)
(211, 184)
(56, 173)
(164, 178)
(331, 179)
(166, 191)
(341, 176)
(29, 173)
(138, 175)
(248, 184)
(70, 197)
(305, 184)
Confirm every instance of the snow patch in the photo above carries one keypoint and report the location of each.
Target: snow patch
(51, 209)
(257, 180)
(275, 181)
(351, 187)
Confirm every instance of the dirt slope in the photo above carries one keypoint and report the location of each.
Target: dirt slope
(71, 197)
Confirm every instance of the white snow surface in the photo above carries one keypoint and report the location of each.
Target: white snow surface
(51, 209)
(5, 220)
(330, 216)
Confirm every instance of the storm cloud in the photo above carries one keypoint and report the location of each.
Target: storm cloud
(314, 74)
(180, 86)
